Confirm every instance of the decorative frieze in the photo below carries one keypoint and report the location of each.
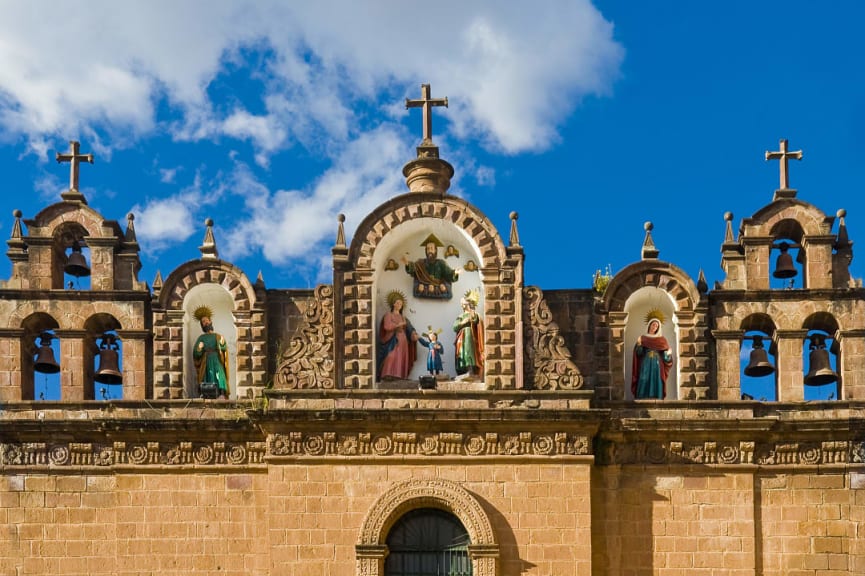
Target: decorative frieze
(35, 455)
(733, 453)
(401, 444)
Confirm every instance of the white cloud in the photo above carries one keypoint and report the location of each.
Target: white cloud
(299, 226)
(513, 72)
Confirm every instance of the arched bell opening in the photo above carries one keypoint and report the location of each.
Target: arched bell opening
(40, 358)
(787, 257)
(103, 353)
(71, 259)
(821, 354)
(759, 377)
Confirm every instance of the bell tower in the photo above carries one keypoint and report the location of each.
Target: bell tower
(73, 302)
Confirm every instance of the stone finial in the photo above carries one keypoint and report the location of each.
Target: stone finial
(515, 235)
(259, 280)
(74, 159)
(842, 241)
(427, 173)
(783, 155)
(340, 231)
(130, 240)
(157, 285)
(728, 234)
(208, 249)
(16, 243)
(702, 285)
(649, 251)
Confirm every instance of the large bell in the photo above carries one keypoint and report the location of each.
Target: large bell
(784, 267)
(76, 264)
(109, 371)
(759, 363)
(45, 362)
(820, 371)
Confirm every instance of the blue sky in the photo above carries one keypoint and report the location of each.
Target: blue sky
(587, 119)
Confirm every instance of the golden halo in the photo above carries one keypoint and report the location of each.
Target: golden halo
(473, 296)
(655, 314)
(393, 296)
(203, 311)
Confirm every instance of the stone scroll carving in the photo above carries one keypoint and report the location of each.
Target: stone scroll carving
(548, 361)
(308, 362)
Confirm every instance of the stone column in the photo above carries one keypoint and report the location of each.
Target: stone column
(728, 344)
(72, 369)
(818, 261)
(135, 360)
(851, 367)
(12, 366)
(757, 262)
(790, 366)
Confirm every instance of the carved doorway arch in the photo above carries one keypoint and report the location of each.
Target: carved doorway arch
(371, 548)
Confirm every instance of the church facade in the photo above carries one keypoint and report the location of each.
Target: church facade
(542, 454)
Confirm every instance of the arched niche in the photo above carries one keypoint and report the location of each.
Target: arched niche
(445, 495)
(637, 306)
(221, 303)
(407, 241)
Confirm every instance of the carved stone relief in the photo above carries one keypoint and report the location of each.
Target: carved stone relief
(548, 361)
(309, 360)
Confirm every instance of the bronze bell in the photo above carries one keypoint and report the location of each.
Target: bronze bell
(109, 371)
(759, 363)
(45, 362)
(76, 265)
(820, 372)
(784, 267)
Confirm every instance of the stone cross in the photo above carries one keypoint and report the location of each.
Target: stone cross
(783, 155)
(74, 158)
(426, 103)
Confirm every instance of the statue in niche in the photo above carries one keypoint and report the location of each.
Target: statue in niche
(432, 276)
(210, 355)
(397, 348)
(652, 360)
(469, 344)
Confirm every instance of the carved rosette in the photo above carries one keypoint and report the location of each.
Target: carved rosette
(548, 361)
(309, 360)
(733, 453)
(97, 455)
(411, 444)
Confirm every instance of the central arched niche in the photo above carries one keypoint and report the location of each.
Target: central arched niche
(407, 240)
(637, 306)
(221, 303)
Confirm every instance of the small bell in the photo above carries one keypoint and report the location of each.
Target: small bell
(109, 371)
(45, 362)
(820, 372)
(784, 267)
(76, 264)
(758, 365)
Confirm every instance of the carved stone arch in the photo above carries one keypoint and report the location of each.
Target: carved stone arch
(692, 371)
(175, 329)
(359, 277)
(443, 494)
(765, 222)
(196, 272)
(55, 228)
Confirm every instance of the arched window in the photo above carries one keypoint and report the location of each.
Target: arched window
(428, 542)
